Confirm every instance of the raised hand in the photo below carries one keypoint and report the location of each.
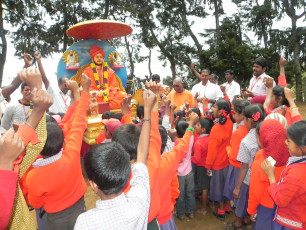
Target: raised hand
(37, 55)
(86, 82)
(222, 87)
(289, 94)
(126, 104)
(72, 85)
(193, 119)
(282, 62)
(269, 82)
(166, 101)
(149, 100)
(27, 60)
(41, 100)
(191, 66)
(31, 77)
(153, 86)
(172, 108)
(11, 146)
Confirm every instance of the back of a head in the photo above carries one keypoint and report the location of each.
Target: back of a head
(140, 111)
(55, 140)
(108, 166)
(164, 137)
(117, 116)
(255, 112)
(272, 136)
(279, 117)
(106, 115)
(279, 91)
(207, 124)
(226, 106)
(181, 128)
(240, 105)
(296, 132)
(128, 136)
(196, 110)
(261, 61)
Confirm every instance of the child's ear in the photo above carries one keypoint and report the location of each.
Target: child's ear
(204, 130)
(94, 186)
(303, 148)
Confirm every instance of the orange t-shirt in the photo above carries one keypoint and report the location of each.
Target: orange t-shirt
(180, 99)
(233, 149)
(61, 184)
(219, 139)
(259, 184)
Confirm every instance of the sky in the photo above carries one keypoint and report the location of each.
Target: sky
(13, 63)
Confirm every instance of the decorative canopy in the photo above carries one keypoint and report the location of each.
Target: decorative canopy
(99, 29)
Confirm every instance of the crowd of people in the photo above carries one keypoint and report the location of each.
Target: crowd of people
(240, 151)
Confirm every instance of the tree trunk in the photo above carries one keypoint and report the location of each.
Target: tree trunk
(130, 55)
(107, 5)
(218, 35)
(298, 72)
(172, 66)
(149, 64)
(3, 45)
(192, 35)
(165, 52)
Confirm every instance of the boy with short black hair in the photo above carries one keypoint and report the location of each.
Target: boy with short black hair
(200, 149)
(108, 170)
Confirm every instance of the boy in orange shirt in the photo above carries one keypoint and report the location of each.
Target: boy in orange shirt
(56, 182)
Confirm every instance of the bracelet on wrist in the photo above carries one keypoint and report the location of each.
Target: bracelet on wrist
(148, 120)
(294, 108)
(29, 125)
(191, 129)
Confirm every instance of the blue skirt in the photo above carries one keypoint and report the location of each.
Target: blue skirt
(170, 225)
(242, 202)
(277, 226)
(264, 218)
(230, 182)
(217, 183)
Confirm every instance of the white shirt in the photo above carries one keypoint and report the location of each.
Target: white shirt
(232, 89)
(61, 101)
(124, 212)
(15, 111)
(210, 91)
(257, 86)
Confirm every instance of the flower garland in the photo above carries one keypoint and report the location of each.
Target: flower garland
(104, 89)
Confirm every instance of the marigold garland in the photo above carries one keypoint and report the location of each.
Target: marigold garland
(104, 89)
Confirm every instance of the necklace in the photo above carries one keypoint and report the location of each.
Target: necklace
(24, 110)
(258, 78)
(64, 99)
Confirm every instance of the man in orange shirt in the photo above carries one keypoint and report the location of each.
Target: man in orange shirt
(103, 79)
(180, 96)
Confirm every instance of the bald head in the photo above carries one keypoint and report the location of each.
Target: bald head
(178, 85)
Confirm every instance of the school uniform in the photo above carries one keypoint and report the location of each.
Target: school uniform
(64, 171)
(289, 195)
(234, 166)
(217, 159)
(200, 149)
(248, 149)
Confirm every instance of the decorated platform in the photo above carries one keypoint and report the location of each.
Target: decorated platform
(95, 57)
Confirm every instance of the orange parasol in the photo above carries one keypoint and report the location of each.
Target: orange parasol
(99, 29)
